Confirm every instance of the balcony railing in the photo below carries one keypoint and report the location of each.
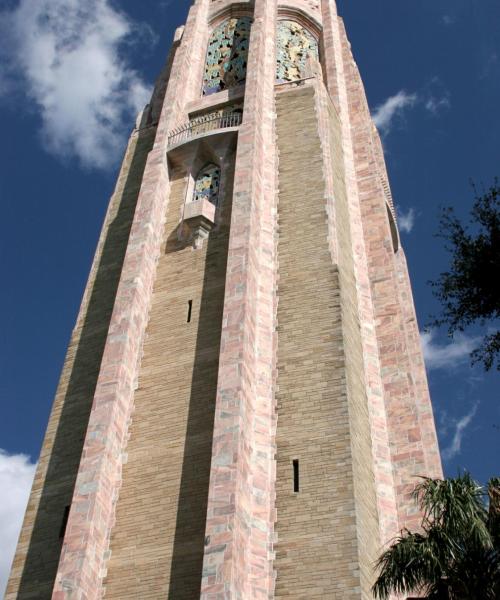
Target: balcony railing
(203, 124)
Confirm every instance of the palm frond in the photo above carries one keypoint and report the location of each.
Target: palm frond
(456, 505)
(494, 511)
(456, 556)
(477, 574)
(410, 563)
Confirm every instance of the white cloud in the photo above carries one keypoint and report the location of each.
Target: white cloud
(386, 113)
(446, 356)
(406, 220)
(435, 104)
(459, 430)
(448, 20)
(16, 477)
(433, 97)
(68, 55)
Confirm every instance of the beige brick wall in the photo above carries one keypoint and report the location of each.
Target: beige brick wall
(37, 556)
(322, 412)
(158, 540)
(367, 529)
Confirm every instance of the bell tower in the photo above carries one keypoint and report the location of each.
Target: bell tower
(243, 407)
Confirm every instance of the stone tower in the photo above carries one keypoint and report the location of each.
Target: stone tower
(244, 407)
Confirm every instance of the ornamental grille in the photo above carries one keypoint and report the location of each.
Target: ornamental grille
(226, 62)
(295, 44)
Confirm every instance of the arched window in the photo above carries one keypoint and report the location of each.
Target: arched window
(226, 64)
(206, 186)
(295, 44)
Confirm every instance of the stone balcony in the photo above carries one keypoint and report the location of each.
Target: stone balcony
(203, 126)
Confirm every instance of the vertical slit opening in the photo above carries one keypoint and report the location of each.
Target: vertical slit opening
(64, 523)
(296, 481)
(190, 311)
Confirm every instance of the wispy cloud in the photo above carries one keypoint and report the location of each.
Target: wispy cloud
(435, 104)
(448, 20)
(446, 356)
(406, 220)
(433, 97)
(490, 66)
(394, 107)
(5, 83)
(16, 477)
(459, 428)
(68, 58)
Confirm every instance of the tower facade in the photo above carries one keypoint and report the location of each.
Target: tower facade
(243, 408)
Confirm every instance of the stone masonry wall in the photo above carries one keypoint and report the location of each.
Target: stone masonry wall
(37, 556)
(162, 435)
(412, 437)
(158, 539)
(240, 515)
(382, 465)
(322, 411)
(367, 517)
(85, 547)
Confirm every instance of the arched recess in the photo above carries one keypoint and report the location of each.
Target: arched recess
(207, 184)
(394, 229)
(227, 54)
(295, 43)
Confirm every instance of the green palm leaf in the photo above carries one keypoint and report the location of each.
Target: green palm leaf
(456, 555)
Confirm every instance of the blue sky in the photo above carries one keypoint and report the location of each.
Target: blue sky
(72, 78)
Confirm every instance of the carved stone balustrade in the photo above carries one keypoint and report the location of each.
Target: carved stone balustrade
(203, 125)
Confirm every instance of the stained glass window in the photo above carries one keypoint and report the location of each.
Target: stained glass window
(206, 186)
(226, 64)
(295, 44)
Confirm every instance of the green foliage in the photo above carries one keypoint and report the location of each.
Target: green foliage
(494, 510)
(470, 291)
(456, 556)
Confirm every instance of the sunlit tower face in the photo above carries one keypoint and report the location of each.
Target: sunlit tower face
(244, 408)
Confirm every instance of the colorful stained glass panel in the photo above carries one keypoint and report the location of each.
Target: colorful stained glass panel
(226, 63)
(207, 184)
(294, 45)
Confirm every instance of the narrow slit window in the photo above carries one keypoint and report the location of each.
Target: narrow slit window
(296, 481)
(64, 523)
(190, 311)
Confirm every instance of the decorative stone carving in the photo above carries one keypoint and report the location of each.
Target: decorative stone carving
(199, 214)
(294, 45)
(226, 63)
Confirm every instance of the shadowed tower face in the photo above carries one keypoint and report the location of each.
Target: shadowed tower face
(243, 408)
